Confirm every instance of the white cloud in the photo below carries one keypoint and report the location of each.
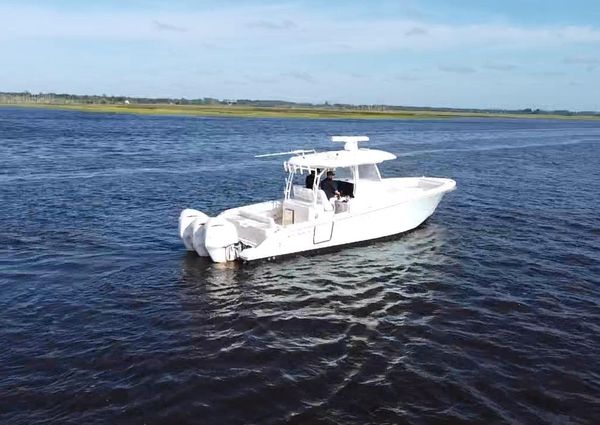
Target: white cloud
(495, 66)
(163, 26)
(302, 76)
(458, 69)
(272, 25)
(415, 31)
(581, 60)
(590, 63)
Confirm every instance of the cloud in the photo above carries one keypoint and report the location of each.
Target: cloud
(550, 74)
(458, 69)
(261, 79)
(302, 76)
(272, 25)
(499, 66)
(415, 31)
(405, 77)
(308, 33)
(590, 63)
(581, 60)
(162, 26)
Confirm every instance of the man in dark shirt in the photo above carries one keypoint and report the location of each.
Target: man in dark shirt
(329, 186)
(310, 179)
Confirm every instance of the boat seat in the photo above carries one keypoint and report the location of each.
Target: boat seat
(297, 211)
(257, 217)
(250, 230)
(303, 193)
(307, 195)
(302, 207)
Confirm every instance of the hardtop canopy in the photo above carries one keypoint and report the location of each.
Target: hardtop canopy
(345, 158)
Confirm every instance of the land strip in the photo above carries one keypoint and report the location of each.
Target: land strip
(266, 108)
(313, 112)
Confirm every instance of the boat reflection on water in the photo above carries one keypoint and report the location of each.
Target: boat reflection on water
(357, 284)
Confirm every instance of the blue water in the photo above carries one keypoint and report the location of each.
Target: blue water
(487, 313)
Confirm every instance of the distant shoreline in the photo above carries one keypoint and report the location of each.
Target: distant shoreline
(286, 112)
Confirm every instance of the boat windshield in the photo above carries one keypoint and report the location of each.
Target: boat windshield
(369, 172)
(344, 173)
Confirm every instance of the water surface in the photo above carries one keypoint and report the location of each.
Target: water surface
(487, 313)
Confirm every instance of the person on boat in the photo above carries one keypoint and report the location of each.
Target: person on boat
(329, 186)
(310, 179)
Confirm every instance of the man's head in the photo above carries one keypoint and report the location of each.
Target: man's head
(330, 174)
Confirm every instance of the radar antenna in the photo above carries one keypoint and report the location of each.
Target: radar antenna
(350, 142)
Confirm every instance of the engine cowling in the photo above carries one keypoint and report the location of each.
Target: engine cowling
(198, 238)
(220, 239)
(190, 221)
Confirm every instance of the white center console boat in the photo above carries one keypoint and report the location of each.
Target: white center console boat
(355, 205)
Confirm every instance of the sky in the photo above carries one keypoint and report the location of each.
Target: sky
(509, 54)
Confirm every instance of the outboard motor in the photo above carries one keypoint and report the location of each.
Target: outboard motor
(199, 234)
(191, 223)
(221, 239)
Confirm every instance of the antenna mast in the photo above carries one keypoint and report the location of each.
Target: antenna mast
(350, 142)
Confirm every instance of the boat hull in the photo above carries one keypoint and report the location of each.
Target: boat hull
(346, 229)
(262, 231)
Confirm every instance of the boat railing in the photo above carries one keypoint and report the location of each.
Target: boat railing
(294, 152)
